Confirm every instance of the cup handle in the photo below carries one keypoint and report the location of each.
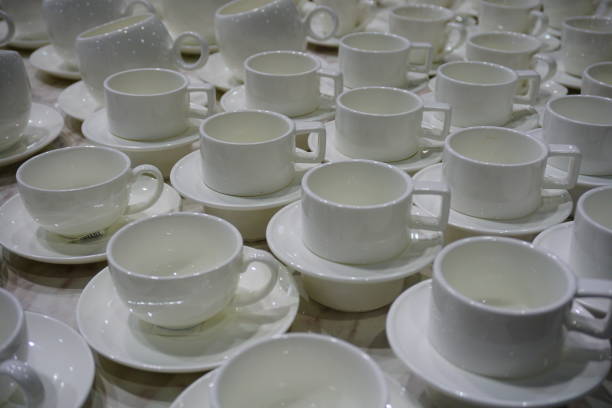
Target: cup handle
(533, 80)
(211, 95)
(244, 298)
(440, 222)
(539, 22)
(446, 110)
(321, 10)
(551, 66)
(27, 379)
(131, 5)
(600, 328)
(336, 77)
(570, 179)
(461, 31)
(159, 186)
(426, 67)
(178, 56)
(300, 156)
(10, 29)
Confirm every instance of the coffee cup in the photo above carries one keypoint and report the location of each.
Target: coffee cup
(380, 59)
(383, 124)
(131, 42)
(519, 16)
(584, 121)
(483, 93)
(27, 18)
(15, 99)
(10, 29)
(329, 370)
(286, 82)
(359, 211)
(427, 24)
(178, 270)
(76, 191)
(597, 80)
(560, 10)
(591, 239)
(498, 173)
(247, 27)
(251, 153)
(191, 15)
(585, 41)
(66, 19)
(152, 103)
(350, 13)
(501, 308)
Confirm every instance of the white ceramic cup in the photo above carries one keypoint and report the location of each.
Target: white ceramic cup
(247, 27)
(332, 373)
(483, 93)
(559, 10)
(501, 308)
(152, 103)
(15, 98)
(520, 16)
(584, 121)
(131, 42)
(66, 19)
(516, 51)
(13, 350)
(498, 173)
(10, 30)
(250, 153)
(585, 41)
(383, 124)
(428, 24)
(359, 211)
(380, 59)
(597, 80)
(349, 13)
(590, 255)
(27, 17)
(75, 191)
(191, 15)
(178, 270)
(286, 82)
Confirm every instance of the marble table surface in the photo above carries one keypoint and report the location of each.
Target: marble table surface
(54, 290)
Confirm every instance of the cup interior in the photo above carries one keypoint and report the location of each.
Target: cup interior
(242, 6)
(504, 276)
(598, 207)
(598, 25)
(514, 3)
(73, 168)
(506, 42)
(113, 26)
(282, 63)
(9, 319)
(586, 109)
(601, 72)
(329, 375)
(146, 82)
(174, 246)
(423, 12)
(380, 101)
(476, 73)
(357, 183)
(496, 146)
(376, 42)
(246, 127)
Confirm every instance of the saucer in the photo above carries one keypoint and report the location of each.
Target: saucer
(44, 126)
(284, 237)
(109, 328)
(412, 164)
(556, 206)
(24, 43)
(197, 394)
(21, 235)
(550, 43)
(217, 73)
(186, 178)
(235, 100)
(524, 117)
(63, 361)
(583, 367)
(46, 60)
(562, 77)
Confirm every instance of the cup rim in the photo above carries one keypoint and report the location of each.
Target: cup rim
(290, 123)
(247, 62)
(108, 88)
(532, 4)
(27, 163)
(416, 97)
(567, 24)
(221, 14)
(441, 68)
(374, 368)
(138, 19)
(438, 276)
(343, 43)
(557, 115)
(505, 34)
(20, 319)
(314, 196)
(586, 215)
(183, 214)
(449, 14)
(587, 73)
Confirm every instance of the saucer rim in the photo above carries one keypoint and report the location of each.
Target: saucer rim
(66, 107)
(58, 73)
(27, 45)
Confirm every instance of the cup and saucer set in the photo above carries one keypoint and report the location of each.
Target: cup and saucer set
(22, 25)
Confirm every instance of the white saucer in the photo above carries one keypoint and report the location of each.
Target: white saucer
(284, 236)
(235, 100)
(524, 117)
(585, 363)
(21, 235)
(61, 358)
(46, 60)
(95, 129)
(44, 126)
(197, 394)
(412, 164)
(109, 328)
(562, 77)
(23, 43)
(556, 206)
(186, 178)
(217, 73)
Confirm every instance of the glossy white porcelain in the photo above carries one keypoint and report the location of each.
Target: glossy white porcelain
(191, 15)
(585, 41)
(47, 60)
(560, 10)
(75, 191)
(597, 80)
(15, 99)
(520, 16)
(27, 18)
(9, 29)
(349, 13)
